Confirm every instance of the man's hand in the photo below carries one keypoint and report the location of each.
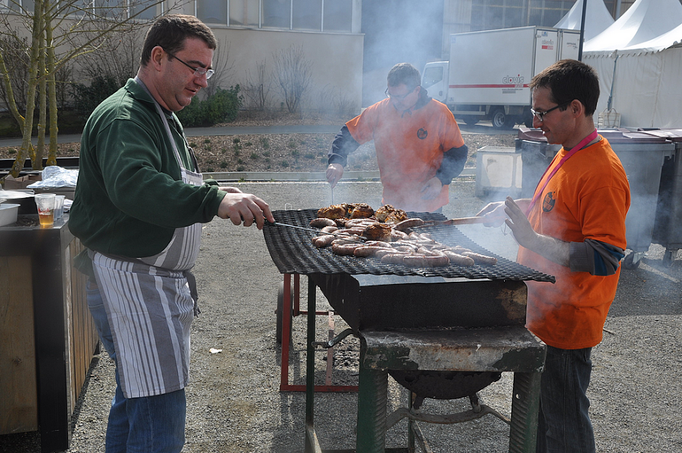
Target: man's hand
(519, 224)
(243, 207)
(334, 174)
(494, 214)
(551, 248)
(431, 189)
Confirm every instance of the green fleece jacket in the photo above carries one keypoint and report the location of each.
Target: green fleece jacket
(130, 196)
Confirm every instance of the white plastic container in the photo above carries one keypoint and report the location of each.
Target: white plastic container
(8, 213)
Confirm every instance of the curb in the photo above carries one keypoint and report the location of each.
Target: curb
(317, 176)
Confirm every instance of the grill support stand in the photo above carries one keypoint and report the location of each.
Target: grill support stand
(290, 308)
(521, 353)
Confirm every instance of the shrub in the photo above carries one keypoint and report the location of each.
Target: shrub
(220, 108)
(86, 98)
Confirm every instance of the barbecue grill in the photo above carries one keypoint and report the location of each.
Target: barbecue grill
(443, 332)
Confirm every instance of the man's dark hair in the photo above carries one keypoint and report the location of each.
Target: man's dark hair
(568, 80)
(170, 33)
(404, 73)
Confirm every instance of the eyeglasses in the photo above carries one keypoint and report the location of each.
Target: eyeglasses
(198, 72)
(396, 97)
(541, 115)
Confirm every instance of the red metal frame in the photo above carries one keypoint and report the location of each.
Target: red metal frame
(287, 317)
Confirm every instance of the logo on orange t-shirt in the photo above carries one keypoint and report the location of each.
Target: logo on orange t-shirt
(422, 133)
(548, 202)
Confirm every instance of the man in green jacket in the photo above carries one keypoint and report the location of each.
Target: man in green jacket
(138, 209)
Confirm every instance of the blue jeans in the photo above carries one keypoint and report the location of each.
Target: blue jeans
(564, 423)
(154, 424)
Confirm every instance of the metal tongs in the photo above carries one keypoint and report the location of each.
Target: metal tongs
(457, 221)
(317, 231)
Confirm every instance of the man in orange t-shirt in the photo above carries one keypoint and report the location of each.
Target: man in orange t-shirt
(418, 144)
(574, 229)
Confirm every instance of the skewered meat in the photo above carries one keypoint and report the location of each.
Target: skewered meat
(388, 237)
(335, 211)
(378, 232)
(361, 211)
(387, 211)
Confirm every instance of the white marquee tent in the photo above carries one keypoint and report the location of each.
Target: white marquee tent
(639, 61)
(597, 18)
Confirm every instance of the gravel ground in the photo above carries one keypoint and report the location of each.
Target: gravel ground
(234, 402)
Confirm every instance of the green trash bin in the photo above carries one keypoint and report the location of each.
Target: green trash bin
(668, 223)
(642, 154)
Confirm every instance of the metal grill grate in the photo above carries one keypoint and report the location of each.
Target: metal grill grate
(293, 252)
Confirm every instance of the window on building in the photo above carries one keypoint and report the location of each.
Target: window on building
(144, 8)
(277, 13)
(494, 14)
(110, 8)
(307, 15)
(18, 5)
(338, 15)
(314, 15)
(244, 12)
(212, 11)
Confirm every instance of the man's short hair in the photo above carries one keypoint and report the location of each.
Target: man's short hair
(170, 32)
(404, 73)
(568, 80)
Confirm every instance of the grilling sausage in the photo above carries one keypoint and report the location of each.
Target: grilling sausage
(367, 250)
(344, 249)
(480, 259)
(322, 222)
(393, 258)
(426, 260)
(459, 260)
(323, 241)
(409, 223)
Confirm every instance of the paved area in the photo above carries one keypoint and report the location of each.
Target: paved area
(234, 400)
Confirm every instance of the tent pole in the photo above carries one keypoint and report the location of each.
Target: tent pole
(582, 31)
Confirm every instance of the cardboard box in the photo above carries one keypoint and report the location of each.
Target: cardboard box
(21, 182)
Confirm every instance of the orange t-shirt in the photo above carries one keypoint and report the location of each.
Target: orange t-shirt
(588, 198)
(409, 148)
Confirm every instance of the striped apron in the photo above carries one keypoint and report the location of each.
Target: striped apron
(150, 308)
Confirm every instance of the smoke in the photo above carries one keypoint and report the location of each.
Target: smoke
(398, 31)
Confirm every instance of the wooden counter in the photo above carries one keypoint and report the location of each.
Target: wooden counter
(47, 336)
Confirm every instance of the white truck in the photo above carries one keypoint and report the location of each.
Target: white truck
(488, 74)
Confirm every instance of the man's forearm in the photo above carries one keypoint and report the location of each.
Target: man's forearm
(551, 248)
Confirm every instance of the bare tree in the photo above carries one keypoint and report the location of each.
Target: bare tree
(256, 87)
(222, 65)
(51, 24)
(293, 72)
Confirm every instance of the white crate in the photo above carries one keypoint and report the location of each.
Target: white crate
(498, 169)
(8, 213)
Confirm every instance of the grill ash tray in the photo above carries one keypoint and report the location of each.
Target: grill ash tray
(293, 252)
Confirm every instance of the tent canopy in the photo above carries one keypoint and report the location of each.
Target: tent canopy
(597, 18)
(644, 21)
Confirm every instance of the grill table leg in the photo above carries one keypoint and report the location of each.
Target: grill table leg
(372, 395)
(524, 417)
(293, 306)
